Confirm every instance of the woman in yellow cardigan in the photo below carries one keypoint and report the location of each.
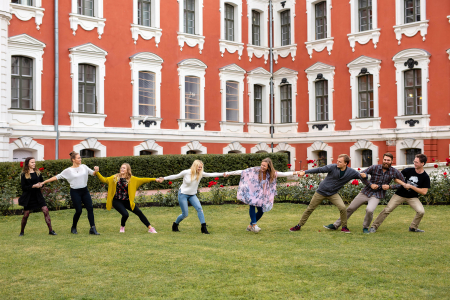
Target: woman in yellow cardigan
(121, 191)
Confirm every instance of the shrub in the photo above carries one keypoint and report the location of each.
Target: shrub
(7, 194)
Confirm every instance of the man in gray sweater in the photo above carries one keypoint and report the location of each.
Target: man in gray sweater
(338, 175)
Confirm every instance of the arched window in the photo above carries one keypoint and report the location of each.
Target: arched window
(87, 98)
(193, 152)
(21, 82)
(365, 97)
(232, 101)
(147, 104)
(413, 92)
(147, 152)
(21, 154)
(322, 100)
(286, 103)
(192, 98)
(87, 153)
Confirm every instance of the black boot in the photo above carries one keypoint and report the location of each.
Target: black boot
(93, 231)
(204, 230)
(52, 232)
(175, 227)
(21, 234)
(74, 230)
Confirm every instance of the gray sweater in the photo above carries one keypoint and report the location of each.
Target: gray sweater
(332, 183)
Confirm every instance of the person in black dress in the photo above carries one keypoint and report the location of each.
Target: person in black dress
(32, 198)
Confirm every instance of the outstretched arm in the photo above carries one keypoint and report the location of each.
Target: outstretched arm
(286, 174)
(180, 175)
(238, 172)
(54, 178)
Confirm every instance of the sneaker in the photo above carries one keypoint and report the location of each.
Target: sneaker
(295, 228)
(416, 230)
(151, 230)
(122, 229)
(372, 230)
(365, 230)
(330, 227)
(345, 230)
(256, 229)
(52, 232)
(249, 228)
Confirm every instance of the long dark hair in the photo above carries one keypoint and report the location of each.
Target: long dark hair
(26, 168)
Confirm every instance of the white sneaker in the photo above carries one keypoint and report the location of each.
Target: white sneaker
(249, 228)
(256, 229)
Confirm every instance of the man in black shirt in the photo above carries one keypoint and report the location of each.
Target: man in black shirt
(417, 182)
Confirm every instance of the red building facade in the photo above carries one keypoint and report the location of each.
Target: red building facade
(144, 77)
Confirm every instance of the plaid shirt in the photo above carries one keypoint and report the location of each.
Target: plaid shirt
(380, 178)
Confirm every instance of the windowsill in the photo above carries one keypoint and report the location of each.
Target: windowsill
(284, 51)
(411, 29)
(152, 126)
(146, 32)
(319, 45)
(258, 51)
(25, 13)
(321, 126)
(87, 23)
(366, 123)
(412, 121)
(191, 40)
(258, 128)
(228, 126)
(231, 47)
(27, 117)
(282, 128)
(191, 125)
(87, 120)
(364, 37)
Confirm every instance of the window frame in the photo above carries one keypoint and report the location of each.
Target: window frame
(364, 152)
(81, 8)
(228, 22)
(323, 18)
(186, 98)
(322, 100)
(87, 84)
(186, 13)
(368, 91)
(286, 118)
(234, 73)
(415, 87)
(408, 155)
(141, 89)
(256, 42)
(286, 27)
(140, 12)
(369, 11)
(414, 8)
(19, 76)
(257, 103)
(229, 98)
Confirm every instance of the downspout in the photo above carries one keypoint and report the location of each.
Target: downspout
(271, 73)
(56, 80)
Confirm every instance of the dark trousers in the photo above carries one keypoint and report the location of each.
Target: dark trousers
(82, 196)
(255, 216)
(122, 206)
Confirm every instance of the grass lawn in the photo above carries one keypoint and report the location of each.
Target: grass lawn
(230, 263)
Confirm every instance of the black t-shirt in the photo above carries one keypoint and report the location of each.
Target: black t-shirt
(413, 178)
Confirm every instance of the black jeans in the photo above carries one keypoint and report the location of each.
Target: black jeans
(80, 196)
(121, 206)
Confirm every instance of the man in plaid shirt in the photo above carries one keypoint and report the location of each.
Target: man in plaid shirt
(381, 176)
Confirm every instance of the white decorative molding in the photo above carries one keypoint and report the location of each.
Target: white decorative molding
(146, 61)
(402, 145)
(235, 147)
(312, 152)
(363, 37)
(258, 51)
(237, 74)
(26, 12)
(423, 122)
(191, 39)
(78, 120)
(320, 45)
(26, 117)
(292, 77)
(312, 43)
(231, 47)
(448, 52)
(86, 22)
(194, 146)
(263, 49)
(91, 144)
(409, 29)
(261, 77)
(284, 51)
(27, 143)
(149, 145)
(356, 153)
(261, 148)
(147, 32)
(284, 147)
(236, 45)
(278, 49)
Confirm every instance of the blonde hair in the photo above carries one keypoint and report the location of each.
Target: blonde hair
(26, 168)
(270, 169)
(127, 174)
(194, 171)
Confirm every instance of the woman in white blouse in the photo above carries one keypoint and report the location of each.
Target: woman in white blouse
(77, 176)
(188, 192)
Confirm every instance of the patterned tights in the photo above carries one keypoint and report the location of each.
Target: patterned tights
(26, 214)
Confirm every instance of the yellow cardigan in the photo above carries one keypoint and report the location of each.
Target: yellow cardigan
(133, 185)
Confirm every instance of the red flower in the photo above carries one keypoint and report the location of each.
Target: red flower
(170, 182)
(355, 182)
(445, 173)
(310, 161)
(217, 178)
(221, 185)
(306, 175)
(289, 165)
(447, 159)
(359, 169)
(21, 164)
(41, 169)
(314, 165)
(447, 164)
(436, 166)
(287, 185)
(433, 160)
(311, 186)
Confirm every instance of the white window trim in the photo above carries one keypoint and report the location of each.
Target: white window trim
(195, 146)
(93, 55)
(234, 146)
(328, 73)
(356, 153)
(292, 77)
(448, 52)
(313, 150)
(363, 37)
(312, 43)
(149, 145)
(191, 39)
(261, 147)
(86, 22)
(373, 67)
(261, 77)
(404, 144)
(236, 45)
(410, 29)
(147, 32)
(232, 73)
(146, 61)
(284, 147)
(191, 67)
(279, 50)
(25, 45)
(26, 12)
(422, 58)
(27, 143)
(91, 144)
(263, 49)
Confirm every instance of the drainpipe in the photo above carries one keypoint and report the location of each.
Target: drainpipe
(56, 80)
(271, 71)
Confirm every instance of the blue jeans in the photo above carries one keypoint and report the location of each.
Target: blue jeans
(255, 216)
(183, 200)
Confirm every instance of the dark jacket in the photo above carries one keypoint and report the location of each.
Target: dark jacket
(27, 189)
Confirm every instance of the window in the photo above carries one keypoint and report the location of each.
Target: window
(192, 98)
(87, 99)
(192, 152)
(413, 92)
(365, 98)
(232, 101)
(412, 11)
(233, 152)
(23, 2)
(87, 153)
(189, 16)
(286, 103)
(146, 152)
(86, 7)
(257, 90)
(322, 100)
(147, 105)
(21, 82)
(144, 12)
(322, 158)
(321, 20)
(288, 155)
(229, 22)
(411, 155)
(366, 158)
(365, 15)
(285, 28)
(256, 28)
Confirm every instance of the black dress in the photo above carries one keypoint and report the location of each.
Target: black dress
(31, 198)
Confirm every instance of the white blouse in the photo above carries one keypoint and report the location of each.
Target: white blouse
(189, 187)
(77, 177)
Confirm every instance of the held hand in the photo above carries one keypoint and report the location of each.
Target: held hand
(226, 175)
(385, 187)
(301, 173)
(160, 179)
(374, 186)
(407, 186)
(96, 169)
(363, 175)
(37, 185)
